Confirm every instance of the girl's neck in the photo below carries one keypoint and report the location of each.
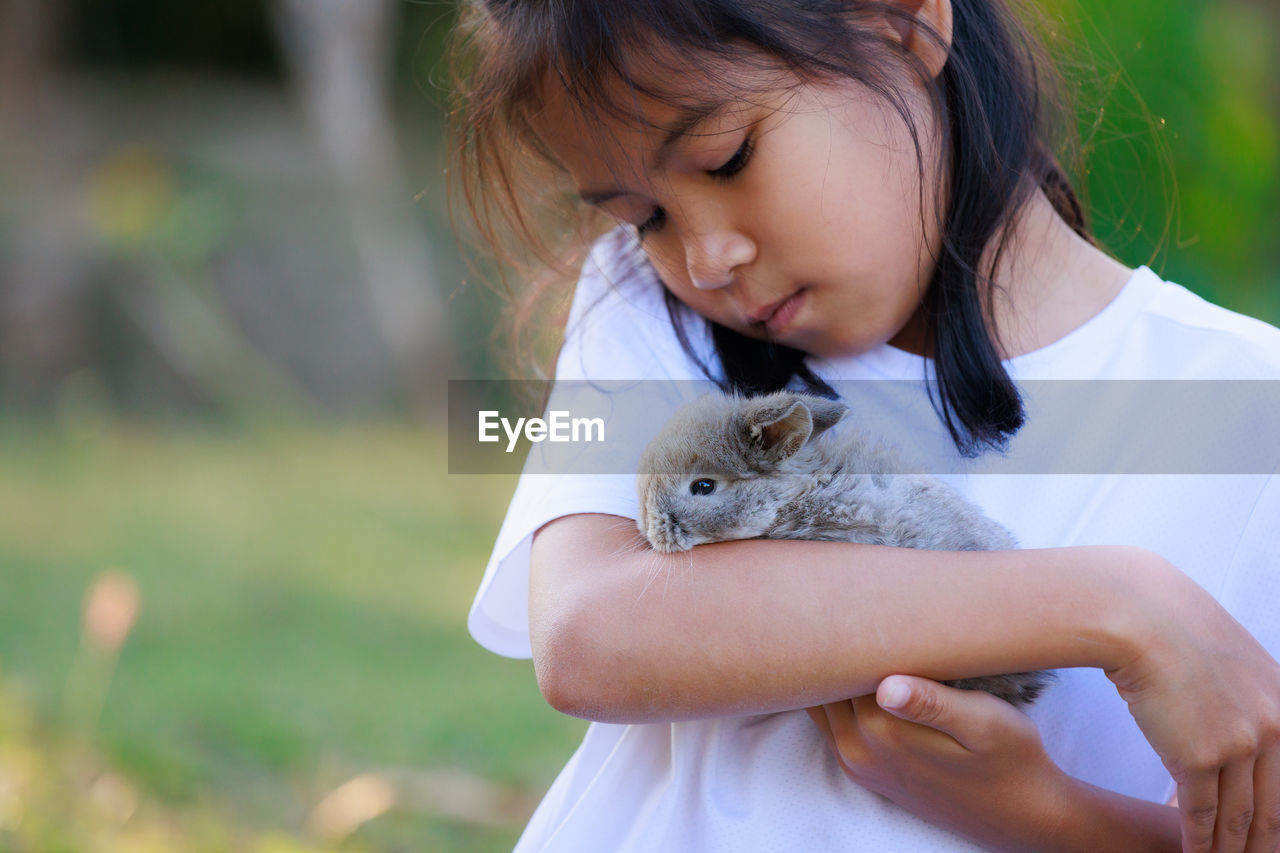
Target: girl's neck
(1049, 282)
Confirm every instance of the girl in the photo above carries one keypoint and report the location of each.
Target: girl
(822, 190)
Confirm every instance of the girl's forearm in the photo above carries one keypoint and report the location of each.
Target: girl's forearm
(623, 634)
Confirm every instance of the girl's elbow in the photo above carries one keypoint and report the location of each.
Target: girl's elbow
(576, 690)
(580, 671)
(592, 650)
(564, 677)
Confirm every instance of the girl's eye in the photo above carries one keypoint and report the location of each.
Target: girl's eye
(736, 163)
(653, 223)
(702, 487)
(724, 172)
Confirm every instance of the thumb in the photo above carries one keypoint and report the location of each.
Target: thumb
(963, 714)
(915, 699)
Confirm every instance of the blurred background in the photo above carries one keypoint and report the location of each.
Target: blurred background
(234, 572)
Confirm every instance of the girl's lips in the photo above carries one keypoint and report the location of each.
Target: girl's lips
(777, 321)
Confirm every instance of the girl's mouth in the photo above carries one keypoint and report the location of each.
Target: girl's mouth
(778, 320)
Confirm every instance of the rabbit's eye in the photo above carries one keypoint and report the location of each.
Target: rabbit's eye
(702, 487)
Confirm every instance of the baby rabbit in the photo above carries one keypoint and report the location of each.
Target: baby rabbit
(729, 467)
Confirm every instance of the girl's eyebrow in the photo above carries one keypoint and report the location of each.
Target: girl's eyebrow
(598, 197)
(686, 120)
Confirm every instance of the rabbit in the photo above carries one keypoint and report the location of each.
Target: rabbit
(728, 467)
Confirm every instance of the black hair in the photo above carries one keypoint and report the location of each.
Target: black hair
(988, 95)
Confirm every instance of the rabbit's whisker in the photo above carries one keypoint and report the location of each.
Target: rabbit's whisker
(656, 561)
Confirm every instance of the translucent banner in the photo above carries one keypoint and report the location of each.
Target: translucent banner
(1072, 427)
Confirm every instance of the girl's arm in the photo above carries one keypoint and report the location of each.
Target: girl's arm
(623, 634)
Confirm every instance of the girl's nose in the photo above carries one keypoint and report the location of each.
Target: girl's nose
(714, 259)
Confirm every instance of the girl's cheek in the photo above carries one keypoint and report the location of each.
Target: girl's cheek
(668, 261)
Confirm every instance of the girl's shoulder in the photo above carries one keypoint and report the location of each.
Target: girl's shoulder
(620, 325)
(1183, 317)
(1204, 340)
(1158, 329)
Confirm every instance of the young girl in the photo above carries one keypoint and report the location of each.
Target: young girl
(827, 190)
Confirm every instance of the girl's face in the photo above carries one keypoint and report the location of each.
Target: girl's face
(798, 216)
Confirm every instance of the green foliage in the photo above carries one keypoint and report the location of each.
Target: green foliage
(1179, 116)
(303, 592)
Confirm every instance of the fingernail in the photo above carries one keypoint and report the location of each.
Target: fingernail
(894, 694)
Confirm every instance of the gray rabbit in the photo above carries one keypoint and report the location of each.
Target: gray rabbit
(726, 467)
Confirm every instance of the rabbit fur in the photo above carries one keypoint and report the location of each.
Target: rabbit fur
(727, 467)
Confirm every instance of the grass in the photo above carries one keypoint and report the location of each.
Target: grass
(303, 592)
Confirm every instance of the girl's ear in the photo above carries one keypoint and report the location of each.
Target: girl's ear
(923, 27)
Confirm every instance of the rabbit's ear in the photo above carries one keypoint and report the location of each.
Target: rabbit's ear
(825, 414)
(780, 430)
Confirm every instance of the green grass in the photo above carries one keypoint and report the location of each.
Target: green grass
(303, 598)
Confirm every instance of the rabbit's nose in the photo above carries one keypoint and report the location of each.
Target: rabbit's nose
(672, 530)
(661, 531)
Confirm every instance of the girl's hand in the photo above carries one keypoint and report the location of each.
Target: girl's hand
(1207, 696)
(974, 764)
(757, 626)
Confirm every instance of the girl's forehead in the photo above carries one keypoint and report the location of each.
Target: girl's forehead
(636, 104)
(649, 112)
(656, 89)
(621, 122)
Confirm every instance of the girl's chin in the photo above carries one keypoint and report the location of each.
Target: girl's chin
(828, 348)
(812, 342)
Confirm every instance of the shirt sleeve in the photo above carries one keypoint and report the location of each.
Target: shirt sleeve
(619, 328)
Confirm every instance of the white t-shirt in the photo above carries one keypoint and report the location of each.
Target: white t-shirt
(767, 782)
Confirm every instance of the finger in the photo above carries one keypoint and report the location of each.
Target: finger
(842, 721)
(1235, 807)
(1198, 802)
(971, 717)
(864, 706)
(1264, 833)
(819, 716)
(880, 731)
(841, 724)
